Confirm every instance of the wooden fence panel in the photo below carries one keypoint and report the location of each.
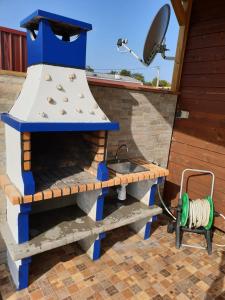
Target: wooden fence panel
(13, 50)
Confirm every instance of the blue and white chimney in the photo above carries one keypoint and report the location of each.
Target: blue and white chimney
(50, 40)
(56, 90)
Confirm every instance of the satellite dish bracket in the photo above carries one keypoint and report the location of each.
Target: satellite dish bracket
(123, 43)
(158, 49)
(162, 50)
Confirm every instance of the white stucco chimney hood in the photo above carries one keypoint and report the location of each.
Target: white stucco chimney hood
(55, 95)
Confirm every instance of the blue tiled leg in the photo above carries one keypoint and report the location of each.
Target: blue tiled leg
(92, 245)
(18, 221)
(92, 203)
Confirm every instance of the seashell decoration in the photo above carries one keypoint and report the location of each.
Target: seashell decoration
(72, 76)
(62, 112)
(79, 110)
(81, 95)
(59, 87)
(50, 100)
(48, 77)
(43, 114)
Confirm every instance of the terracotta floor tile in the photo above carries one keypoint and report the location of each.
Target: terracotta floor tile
(151, 292)
(182, 297)
(72, 288)
(36, 295)
(142, 296)
(127, 294)
(97, 287)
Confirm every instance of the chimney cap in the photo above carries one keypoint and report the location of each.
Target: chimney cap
(59, 24)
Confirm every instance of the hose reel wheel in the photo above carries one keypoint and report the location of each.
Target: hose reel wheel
(185, 211)
(211, 214)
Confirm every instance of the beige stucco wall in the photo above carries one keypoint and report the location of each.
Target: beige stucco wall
(145, 117)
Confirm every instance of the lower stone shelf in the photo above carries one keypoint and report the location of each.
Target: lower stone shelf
(66, 225)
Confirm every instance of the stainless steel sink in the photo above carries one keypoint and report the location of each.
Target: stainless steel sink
(125, 167)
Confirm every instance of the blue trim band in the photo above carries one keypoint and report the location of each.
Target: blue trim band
(23, 223)
(152, 202)
(160, 180)
(97, 249)
(23, 228)
(24, 273)
(105, 191)
(29, 184)
(100, 208)
(25, 208)
(102, 172)
(23, 126)
(152, 194)
(41, 14)
(154, 218)
(97, 246)
(147, 230)
(102, 235)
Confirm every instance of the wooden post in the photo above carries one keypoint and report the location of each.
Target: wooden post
(181, 45)
(179, 11)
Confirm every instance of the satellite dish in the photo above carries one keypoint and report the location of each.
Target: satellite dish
(155, 39)
(156, 34)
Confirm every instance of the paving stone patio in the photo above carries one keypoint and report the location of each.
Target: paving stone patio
(129, 268)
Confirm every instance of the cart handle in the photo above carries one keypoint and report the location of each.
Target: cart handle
(197, 171)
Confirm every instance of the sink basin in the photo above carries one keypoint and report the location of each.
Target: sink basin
(125, 167)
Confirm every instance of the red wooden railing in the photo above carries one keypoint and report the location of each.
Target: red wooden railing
(13, 50)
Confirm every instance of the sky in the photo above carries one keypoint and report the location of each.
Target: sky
(111, 19)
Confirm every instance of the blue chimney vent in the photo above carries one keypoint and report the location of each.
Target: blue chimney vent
(55, 40)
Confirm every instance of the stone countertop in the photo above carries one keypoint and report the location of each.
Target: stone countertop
(80, 183)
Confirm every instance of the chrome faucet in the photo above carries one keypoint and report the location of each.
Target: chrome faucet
(118, 150)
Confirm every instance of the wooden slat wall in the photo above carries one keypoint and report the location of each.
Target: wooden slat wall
(199, 142)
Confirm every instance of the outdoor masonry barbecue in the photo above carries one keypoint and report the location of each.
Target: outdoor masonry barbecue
(57, 181)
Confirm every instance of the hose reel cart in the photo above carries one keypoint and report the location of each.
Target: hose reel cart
(194, 215)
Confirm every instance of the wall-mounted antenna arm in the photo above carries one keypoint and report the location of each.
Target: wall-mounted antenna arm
(123, 43)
